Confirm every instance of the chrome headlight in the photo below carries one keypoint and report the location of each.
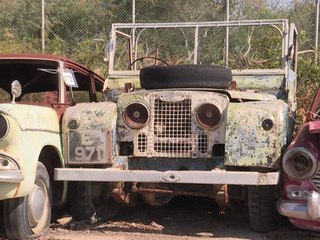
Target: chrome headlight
(136, 115)
(4, 126)
(208, 115)
(299, 163)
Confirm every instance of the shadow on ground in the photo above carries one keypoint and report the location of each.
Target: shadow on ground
(189, 217)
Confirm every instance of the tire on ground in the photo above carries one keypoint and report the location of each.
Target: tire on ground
(29, 217)
(185, 76)
(79, 200)
(88, 201)
(262, 208)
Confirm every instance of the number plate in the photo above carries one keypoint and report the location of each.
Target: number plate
(87, 146)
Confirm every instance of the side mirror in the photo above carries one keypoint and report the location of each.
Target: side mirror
(16, 90)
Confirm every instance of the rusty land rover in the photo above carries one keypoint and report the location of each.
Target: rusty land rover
(186, 125)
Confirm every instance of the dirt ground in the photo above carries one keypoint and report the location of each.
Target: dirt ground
(182, 219)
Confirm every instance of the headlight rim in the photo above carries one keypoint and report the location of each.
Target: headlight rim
(200, 123)
(131, 123)
(7, 126)
(289, 156)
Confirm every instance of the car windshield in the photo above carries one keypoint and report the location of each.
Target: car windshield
(35, 76)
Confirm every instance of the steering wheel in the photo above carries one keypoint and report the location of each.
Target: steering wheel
(143, 58)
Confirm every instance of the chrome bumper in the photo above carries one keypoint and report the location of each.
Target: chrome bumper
(150, 176)
(10, 176)
(309, 210)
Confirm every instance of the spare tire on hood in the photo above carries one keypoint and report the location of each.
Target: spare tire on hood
(185, 76)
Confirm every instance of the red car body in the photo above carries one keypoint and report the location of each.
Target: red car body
(300, 200)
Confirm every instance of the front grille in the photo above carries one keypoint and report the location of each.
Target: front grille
(172, 119)
(173, 127)
(172, 147)
(142, 142)
(316, 181)
(203, 143)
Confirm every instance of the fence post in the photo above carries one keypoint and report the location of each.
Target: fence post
(226, 57)
(134, 33)
(317, 30)
(42, 26)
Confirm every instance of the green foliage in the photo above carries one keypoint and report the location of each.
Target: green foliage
(90, 53)
(179, 10)
(20, 18)
(308, 82)
(303, 15)
(25, 45)
(251, 9)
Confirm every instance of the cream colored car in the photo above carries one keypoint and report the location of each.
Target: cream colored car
(35, 91)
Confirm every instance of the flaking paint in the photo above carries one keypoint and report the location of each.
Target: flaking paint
(247, 143)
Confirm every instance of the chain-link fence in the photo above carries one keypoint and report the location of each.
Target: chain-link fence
(79, 29)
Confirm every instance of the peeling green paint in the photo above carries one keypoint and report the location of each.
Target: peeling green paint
(247, 143)
(91, 116)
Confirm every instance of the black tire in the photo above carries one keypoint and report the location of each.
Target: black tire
(23, 222)
(80, 201)
(83, 206)
(185, 76)
(262, 208)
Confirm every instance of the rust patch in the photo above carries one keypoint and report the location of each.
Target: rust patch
(17, 190)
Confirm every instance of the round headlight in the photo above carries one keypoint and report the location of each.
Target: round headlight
(4, 126)
(299, 163)
(208, 115)
(136, 115)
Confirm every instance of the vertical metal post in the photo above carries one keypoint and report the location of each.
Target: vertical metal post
(196, 43)
(226, 57)
(112, 47)
(317, 30)
(133, 40)
(133, 11)
(42, 26)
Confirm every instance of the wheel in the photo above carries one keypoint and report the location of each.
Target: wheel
(185, 76)
(262, 209)
(80, 201)
(86, 201)
(29, 217)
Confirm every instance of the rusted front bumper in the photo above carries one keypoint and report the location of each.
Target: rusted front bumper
(151, 176)
(307, 210)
